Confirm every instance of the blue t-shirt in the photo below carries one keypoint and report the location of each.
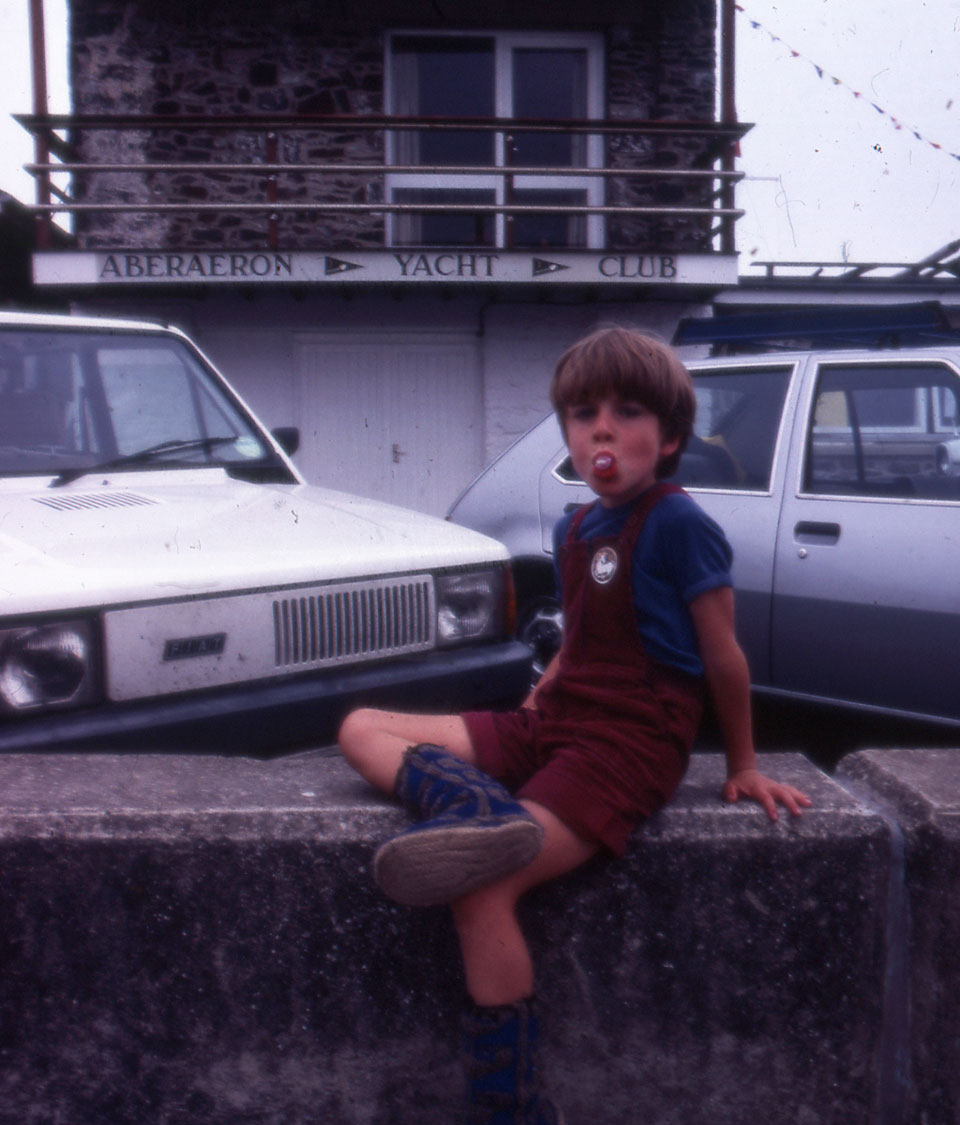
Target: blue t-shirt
(680, 553)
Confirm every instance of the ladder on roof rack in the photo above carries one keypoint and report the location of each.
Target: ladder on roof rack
(921, 322)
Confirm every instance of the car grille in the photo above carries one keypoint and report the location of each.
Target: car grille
(352, 621)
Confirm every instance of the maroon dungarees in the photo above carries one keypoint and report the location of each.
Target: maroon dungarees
(611, 735)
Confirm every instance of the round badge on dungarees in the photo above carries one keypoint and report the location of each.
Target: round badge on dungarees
(604, 565)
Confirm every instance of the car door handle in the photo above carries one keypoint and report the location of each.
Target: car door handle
(810, 531)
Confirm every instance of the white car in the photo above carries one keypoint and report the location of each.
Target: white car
(168, 581)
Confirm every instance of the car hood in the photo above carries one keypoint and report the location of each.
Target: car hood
(141, 536)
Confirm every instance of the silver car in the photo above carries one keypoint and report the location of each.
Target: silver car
(836, 475)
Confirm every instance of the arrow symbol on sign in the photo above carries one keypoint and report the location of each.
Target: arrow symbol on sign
(335, 265)
(541, 266)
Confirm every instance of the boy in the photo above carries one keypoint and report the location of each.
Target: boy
(604, 739)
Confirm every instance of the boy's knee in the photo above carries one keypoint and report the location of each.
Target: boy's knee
(355, 729)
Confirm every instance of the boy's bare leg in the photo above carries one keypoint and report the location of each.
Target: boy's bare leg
(496, 959)
(374, 742)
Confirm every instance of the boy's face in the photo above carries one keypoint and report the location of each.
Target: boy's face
(616, 446)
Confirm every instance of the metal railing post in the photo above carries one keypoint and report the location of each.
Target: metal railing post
(41, 144)
(728, 116)
(509, 197)
(273, 156)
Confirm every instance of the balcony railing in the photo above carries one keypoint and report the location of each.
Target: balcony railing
(276, 180)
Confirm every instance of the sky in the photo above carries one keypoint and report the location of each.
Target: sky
(16, 90)
(850, 100)
(855, 151)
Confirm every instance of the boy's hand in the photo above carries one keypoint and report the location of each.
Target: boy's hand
(758, 787)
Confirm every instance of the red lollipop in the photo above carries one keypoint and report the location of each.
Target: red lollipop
(604, 466)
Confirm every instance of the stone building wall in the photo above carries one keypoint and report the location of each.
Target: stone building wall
(244, 58)
(661, 68)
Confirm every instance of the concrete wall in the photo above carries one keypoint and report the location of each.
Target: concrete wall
(197, 939)
(918, 792)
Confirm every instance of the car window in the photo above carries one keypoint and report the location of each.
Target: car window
(735, 433)
(885, 430)
(75, 399)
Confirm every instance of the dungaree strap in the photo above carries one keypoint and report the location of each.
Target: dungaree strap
(654, 494)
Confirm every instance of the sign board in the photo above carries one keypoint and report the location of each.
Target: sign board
(398, 266)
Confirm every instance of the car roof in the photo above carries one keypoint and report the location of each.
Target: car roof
(11, 319)
(790, 357)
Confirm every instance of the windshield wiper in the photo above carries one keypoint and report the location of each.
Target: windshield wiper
(141, 457)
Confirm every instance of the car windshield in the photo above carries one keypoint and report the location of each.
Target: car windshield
(73, 400)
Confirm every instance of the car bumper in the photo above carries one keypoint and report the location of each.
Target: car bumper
(271, 717)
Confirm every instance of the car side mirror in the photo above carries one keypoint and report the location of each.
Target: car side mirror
(288, 438)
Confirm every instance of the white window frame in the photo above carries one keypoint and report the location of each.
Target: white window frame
(505, 42)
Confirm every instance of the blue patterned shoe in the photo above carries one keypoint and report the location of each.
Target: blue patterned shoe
(500, 1053)
(472, 832)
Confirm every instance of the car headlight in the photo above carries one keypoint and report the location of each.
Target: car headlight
(471, 606)
(47, 666)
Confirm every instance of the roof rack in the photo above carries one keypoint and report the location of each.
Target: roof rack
(876, 326)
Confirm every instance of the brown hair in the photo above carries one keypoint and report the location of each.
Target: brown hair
(621, 363)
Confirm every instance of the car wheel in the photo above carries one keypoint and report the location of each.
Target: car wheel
(541, 628)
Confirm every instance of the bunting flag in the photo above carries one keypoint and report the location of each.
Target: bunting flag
(822, 74)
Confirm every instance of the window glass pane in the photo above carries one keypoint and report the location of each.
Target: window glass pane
(154, 394)
(443, 76)
(550, 230)
(467, 229)
(73, 399)
(42, 405)
(552, 84)
(735, 435)
(885, 431)
(148, 394)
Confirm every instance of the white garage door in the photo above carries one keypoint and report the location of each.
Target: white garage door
(394, 417)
